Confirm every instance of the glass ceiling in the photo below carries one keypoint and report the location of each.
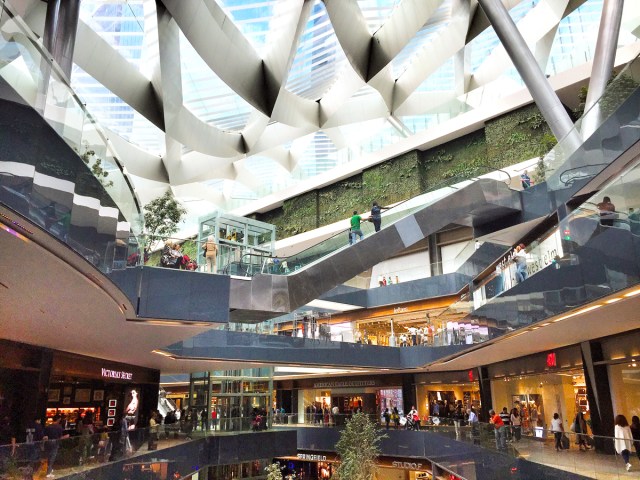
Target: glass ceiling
(284, 141)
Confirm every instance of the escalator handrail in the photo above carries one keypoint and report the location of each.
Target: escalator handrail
(445, 183)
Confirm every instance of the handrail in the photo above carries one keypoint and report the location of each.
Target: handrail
(568, 182)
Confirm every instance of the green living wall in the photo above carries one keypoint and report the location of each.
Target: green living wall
(511, 138)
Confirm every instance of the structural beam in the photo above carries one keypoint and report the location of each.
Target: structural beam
(605, 54)
(543, 94)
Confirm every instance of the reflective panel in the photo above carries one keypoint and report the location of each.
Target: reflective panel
(377, 12)
(253, 19)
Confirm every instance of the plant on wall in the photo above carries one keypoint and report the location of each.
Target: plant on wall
(358, 449)
(161, 218)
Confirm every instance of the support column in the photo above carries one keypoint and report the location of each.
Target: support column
(61, 25)
(596, 376)
(605, 54)
(486, 402)
(545, 97)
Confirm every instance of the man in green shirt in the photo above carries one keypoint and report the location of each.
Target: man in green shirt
(355, 228)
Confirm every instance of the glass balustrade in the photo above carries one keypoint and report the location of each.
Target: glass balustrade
(62, 174)
(95, 446)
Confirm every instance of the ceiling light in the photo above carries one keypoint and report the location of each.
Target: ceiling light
(164, 354)
(632, 293)
(613, 300)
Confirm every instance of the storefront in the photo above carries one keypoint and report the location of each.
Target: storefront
(539, 386)
(622, 355)
(108, 389)
(319, 466)
(36, 383)
(367, 394)
(438, 393)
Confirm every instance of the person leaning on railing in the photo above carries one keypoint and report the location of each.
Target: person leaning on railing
(210, 250)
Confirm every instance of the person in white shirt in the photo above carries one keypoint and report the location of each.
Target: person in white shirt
(557, 428)
(413, 331)
(623, 439)
(475, 424)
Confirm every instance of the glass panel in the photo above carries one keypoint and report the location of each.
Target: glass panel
(70, 183)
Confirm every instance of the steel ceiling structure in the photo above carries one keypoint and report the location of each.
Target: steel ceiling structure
(226, 101)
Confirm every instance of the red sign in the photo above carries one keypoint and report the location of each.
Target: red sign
(551, 360)
(470, 373)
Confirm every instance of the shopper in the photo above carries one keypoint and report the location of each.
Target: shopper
(153, 431)
(210, 254)
(475, 425)
(499, 430)
(52, 435)
(516, 424)
(635, 433)
(623, 439)
(580, 429)
(375, 217)
(355, 228)
(387, 417)
(525, 180)
(558, 430)
(458, 417)
(520, 259)
(607, 211)
(506, 419)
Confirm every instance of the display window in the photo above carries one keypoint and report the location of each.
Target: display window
(439, 400)
(538, 397)
(624, 380)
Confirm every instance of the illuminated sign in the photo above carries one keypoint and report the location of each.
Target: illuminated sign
(351, 383)
(406, 465)
(551, 360)
(117, 374)
(470, 374)
(312, 458)
(400, 309)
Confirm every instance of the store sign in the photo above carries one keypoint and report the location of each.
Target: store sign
(349, 383)
(407, 465)
(401, 310)
(470, 375)
(312, 458)
(117, 374)
(551, 360)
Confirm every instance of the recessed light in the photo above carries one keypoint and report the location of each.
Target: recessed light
(613, 300)
(632, 293)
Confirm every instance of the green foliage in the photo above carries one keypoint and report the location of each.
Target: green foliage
(161, 217)
(358, 449)
(539, 174)
(96, 168)
(274, 472)
(462, 158)
(517, 136)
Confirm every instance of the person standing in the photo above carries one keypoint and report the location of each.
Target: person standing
(413, 334)
(153, 432)
(525, 180)
(210, 255)
(458, 417)
(516, 424)
(355, 228)
(387, 417)
(607, 212)
(475, 425)
(580, 429)
(558, 429)
(520, 259)
(498, 425)
(52, 435)
(623, 439)
(506, 419)
(635, 433)
(376, 216)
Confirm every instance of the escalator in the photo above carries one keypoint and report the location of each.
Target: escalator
(571, 173)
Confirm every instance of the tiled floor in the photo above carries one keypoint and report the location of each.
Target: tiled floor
(589, 463)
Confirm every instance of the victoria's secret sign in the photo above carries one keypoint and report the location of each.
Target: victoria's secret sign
(117, 374)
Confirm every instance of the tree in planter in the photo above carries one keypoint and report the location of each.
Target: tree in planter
(274, 472)
(161, 218)
(358, 449)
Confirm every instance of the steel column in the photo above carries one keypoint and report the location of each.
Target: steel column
(61, 24)
(605, 55)
(545, 97)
